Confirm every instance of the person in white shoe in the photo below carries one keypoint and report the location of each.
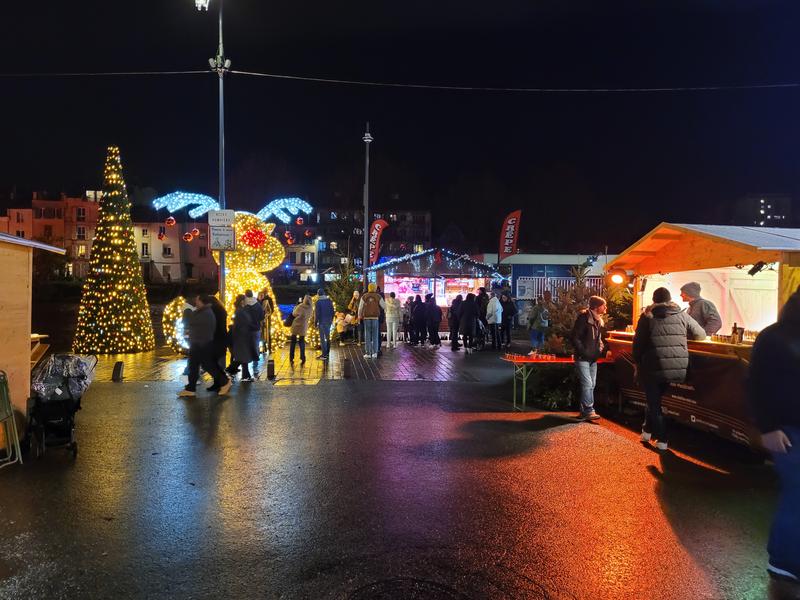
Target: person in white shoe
(394, 316)
(661, 357)
(587, 341)
(775, 403)
(202, 325)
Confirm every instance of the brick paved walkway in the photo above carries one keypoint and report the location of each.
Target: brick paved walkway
(405, 363)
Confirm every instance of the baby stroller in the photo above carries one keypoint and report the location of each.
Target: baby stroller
(57, 386)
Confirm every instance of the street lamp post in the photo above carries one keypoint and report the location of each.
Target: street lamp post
(220, 65)
(367, 140)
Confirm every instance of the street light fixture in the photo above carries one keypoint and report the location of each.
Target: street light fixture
(367, 141)
(220, 65)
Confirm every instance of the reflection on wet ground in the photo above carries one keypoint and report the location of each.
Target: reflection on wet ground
(372, 489)
(405, 363)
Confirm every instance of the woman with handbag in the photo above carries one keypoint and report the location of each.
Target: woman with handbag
(299, 326)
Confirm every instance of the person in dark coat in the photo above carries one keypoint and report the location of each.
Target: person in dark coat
(775, 404)
(509, 312)
(221, 338)
(242, 351)
(433, 317)
(467, 324)
(661, 357)
(483, 303)
(256, 312)
(587, 340)
(453, 317)
(418, 322)
(202, 328)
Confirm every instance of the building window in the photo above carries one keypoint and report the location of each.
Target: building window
(166, 273)
(418, 219)
(80, 213)
(145, 249)
(334, 216)
(203, 251)
(20, 218)
(162, 230)
(393, 218)
(166, 250)
(308, 258)
(80, 233)
(334, 245)
(418, 248)
(403, 218)
(145, 233)
(293, 257)
(68, 269)
(80, 251)
(48, 231)
(377, 216)
(20, 233)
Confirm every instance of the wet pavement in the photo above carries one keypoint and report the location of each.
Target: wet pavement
(376, 489)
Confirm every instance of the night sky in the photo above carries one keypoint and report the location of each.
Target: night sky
(588, 170)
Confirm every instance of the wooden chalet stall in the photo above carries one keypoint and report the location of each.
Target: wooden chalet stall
(748, 273)
(437, 271)
(18, 348)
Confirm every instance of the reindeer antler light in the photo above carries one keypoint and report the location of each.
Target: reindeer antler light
(178, 200)
(284, 209)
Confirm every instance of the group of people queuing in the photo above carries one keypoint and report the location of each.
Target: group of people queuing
(483, 316)
(480, 319)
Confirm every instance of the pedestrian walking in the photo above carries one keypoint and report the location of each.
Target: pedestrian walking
(509, 312)
(661, 357)
(433, 318)
(394, 315)
(202, 352)
(587, 340)
(453, 318)
(256, 312)
(467, 323)
(775, 404)
(221, 337)
(419, 322)
(266, 328)
(538, 322)
(242, 349)
(323, 319)
(494, 320)
(369, 311)
(299, 328)
(352, 308)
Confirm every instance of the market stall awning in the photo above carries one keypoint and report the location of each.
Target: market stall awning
(682, 247)
(436, 262)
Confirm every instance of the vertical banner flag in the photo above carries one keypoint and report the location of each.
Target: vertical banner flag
(508, 235)
(375, 239)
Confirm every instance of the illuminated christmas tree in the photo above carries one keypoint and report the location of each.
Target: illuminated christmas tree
(114, 316)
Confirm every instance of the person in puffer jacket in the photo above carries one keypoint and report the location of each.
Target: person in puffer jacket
(661, 357)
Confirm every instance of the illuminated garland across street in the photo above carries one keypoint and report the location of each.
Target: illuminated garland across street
(453, 260)
(114, 316)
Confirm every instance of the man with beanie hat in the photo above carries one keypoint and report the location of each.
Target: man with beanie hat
(587, 339)
(323, 319)
(701, 310)
(369, 311)
(661, 357)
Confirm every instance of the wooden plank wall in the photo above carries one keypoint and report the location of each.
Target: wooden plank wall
(16, 265)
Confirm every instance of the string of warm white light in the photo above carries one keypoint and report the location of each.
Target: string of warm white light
(114, 316)
(454, 260)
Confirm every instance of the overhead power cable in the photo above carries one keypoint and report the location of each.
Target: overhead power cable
(424, 86)
(103, 74)
(542, 90)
